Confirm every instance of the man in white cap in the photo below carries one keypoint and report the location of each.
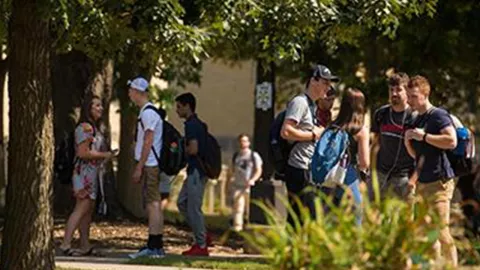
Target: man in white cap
(148, 146)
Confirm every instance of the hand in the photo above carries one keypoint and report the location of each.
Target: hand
(409, 135)
(251, 182)
(411, 185)
(363, 187)
(318, 132)
(111, 154)
(137, 174)
(417, 134)
(107, 155)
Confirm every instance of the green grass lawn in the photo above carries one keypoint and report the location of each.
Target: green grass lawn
(206, 262)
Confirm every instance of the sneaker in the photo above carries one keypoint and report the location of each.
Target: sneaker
(196, 250)
(147, 252)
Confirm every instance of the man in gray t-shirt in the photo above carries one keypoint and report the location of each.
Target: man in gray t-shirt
(300, 128)
(247, 169)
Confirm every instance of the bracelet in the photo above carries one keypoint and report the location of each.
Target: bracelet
(313, 136)
(425, 137)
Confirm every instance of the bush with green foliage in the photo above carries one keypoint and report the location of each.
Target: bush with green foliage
(389, 237)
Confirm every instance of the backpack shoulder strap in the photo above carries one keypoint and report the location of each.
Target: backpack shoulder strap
(234, 157)
(311, 108)
(139, 119)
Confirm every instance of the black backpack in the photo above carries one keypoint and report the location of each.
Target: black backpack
(279, 147)
(65, 158)
(212, 158)
(172, 156)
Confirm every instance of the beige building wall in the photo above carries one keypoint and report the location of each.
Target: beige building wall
(225, 101)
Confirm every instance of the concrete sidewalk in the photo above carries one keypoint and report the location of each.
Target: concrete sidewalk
(119, 260)
(108, 266)
(92, 263)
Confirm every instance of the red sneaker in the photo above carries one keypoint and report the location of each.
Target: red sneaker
(196, 250)
(208, 240)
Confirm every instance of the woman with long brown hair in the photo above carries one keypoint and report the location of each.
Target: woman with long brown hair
(89, 154)
(351, 119)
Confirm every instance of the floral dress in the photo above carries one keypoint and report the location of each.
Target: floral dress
(85, 174)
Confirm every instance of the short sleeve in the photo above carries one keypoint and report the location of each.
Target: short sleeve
(296, 109)
(150, 119)
(258, 159)
(442, 120)
(192, 131)
(84, 132)
(375, 121)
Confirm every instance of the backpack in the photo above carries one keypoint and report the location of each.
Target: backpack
(172, 155)
(330, 158)
(462, 157)
(65, 157)
(212, 159)
(280, 148)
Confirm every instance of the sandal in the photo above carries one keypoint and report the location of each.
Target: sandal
(82, 253)
(67, 251)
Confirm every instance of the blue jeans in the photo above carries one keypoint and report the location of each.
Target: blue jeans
(352, 181)
(189, 203)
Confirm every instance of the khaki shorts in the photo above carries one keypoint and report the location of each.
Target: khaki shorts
(151, 180)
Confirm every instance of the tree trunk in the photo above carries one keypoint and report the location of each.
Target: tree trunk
(263, 120)
(28, 241)
(72, 74)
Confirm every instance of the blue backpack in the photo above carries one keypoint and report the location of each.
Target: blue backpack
(330, 159)
(462, 158)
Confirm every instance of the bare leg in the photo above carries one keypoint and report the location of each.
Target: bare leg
(154, 218)
(163, 206)
(81, 208)
(84, 228)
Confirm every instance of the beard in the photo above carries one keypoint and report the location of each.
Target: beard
(395, 101)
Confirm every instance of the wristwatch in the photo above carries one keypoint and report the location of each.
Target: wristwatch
(425, 137)
(313, 136)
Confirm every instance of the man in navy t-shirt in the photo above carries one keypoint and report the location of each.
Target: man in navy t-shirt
(433, 133)
(190, 197)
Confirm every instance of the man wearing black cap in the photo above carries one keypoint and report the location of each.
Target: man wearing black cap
(300, 127)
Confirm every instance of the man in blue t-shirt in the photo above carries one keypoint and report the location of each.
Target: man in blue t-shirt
(433, 133)
(190, 198)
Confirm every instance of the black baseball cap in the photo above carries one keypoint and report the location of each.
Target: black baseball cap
(321, 71)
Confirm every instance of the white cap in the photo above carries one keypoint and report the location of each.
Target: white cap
(139, 84)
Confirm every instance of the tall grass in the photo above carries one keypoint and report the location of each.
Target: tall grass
(388, 238)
